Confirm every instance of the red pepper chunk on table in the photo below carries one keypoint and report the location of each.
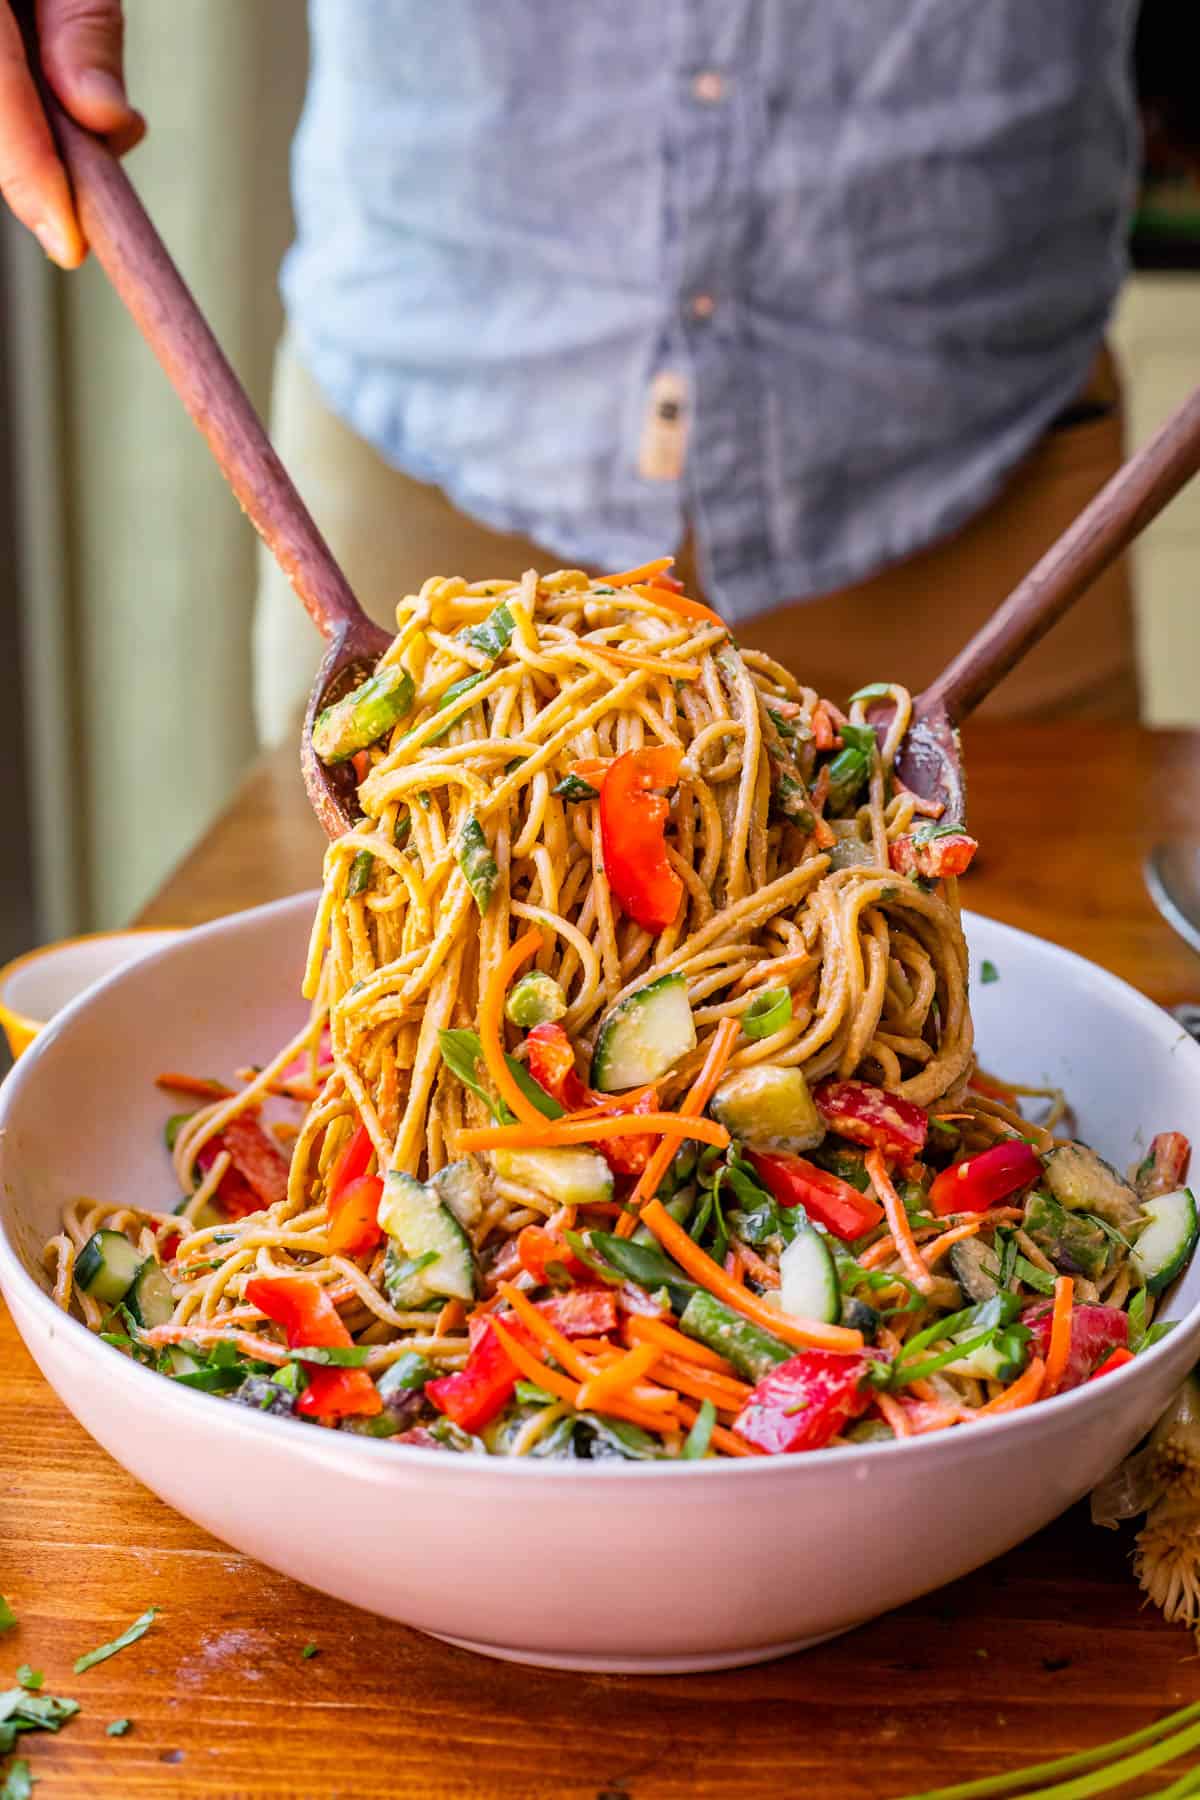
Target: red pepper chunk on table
(870, 1115)
(832, 1202)
(933, 858)
(805, 1402)
(309, 1318)
(979, 1182)
(633, 820)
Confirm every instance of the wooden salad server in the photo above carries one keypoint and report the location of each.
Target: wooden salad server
(140, 268)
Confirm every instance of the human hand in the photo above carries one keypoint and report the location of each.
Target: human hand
(81, 45)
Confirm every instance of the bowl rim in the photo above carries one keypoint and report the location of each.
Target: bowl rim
(375, 1458)
(40, 952)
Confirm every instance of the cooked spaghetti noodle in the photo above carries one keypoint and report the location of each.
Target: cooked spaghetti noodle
(512, 823)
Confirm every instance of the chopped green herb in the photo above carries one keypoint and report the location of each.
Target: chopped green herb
(30, 1678)
(988, 972)
(401, 829)
(1157, 1332)
(18, 1783)
(462, 1054)
(138, 1629)
(1136, 1314)
(117, 1727)
(700, 1436)
(929, 831)
(8, 1617)
(783, 726)
(1032, 1276)
(852, 764)
(574, 787)
(532, 1395)
(493, 634)
(310, 1650)
(476, 861)
(337, 1356)
(453, 693)
(425, 800)
(790, 797)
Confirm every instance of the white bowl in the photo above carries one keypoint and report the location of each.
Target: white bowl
(35, 987)
(657, 1568)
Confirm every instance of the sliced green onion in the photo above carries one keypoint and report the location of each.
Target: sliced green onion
(768, 1012)
(700, 1436)
(874, 690)
(360, 874)
(138, 1629)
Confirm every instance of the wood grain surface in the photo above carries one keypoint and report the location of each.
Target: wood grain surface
(1045, 1651)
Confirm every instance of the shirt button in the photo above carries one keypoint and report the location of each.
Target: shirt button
(703, 306)
(708, 87)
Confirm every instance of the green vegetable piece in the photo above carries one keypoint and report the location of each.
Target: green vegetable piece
(360, 874)
(30, 1678)
(173, 1127)
(463, 1055)
(455, 692)
(851, 766)
(875, 690)
(536, 999)
(700, 1436)
(768, 1012)
(8, 1617)
(362, 717)
(573, 788)
(752, 1351)
(648, 1266)
(790, 797)
(309, 1651)
(492, 635)
(18, 1783)
(118, 1727)
(988, 972)
(476, 861)
(1073, 1241)
(138, 1629)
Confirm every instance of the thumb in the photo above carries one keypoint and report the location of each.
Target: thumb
(82, 48)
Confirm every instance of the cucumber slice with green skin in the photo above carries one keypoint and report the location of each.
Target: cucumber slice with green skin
(415, 1218)
(643, 1036)
(150, 1298)
(361, 718)
(571, 1177)
(460, 1187)
(178, 1361)
(106, 1266)
(769, 1108)
(404, 1279)
(808, 1283)
(1001, 1360)
(1166, 1243)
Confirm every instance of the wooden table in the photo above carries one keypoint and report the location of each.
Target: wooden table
(1044, 1651)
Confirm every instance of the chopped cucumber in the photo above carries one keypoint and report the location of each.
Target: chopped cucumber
(416, 1219)
(808, 1283)
(404, 1279)
(361, 718)
(536, 999)
(571, 1177)
(1000, 1360)
(643, 1036)
(176, 1360)
(769, 1108)
(1166, 1243)
(106, 1266)
(460, 1187)
(149, 1297)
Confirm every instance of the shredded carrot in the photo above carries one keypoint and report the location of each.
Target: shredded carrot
(561, 1348)
(756, 1268)
(877, 1253)
(619, 1377)
(491, 1024)
(992, 1090)
(1060, 1334)
(822, 725)
(679, 603)
(673, 1343)
(804, 1333)
(452, 1315)
(735, 1268)
(725, 1393)
(897, 1220)
(694, 1103)
(726, 1440)
(894, 1414)
(535, 1370)
(549, 1132)
(658, 565)
(933, 1253)
(193, 1084)
(1024, 1389)
(592, 765)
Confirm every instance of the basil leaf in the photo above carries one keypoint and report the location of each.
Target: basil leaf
(493, 634)
(138, 1629)
(574, 787)
(336, 1356)
(1136, 1313)
(462, 1053)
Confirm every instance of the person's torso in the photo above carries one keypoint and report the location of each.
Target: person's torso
(868, 246)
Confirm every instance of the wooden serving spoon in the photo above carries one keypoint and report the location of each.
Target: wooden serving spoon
(137, 263)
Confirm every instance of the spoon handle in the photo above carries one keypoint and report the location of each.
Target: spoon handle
(1122, 509)
(137, 262)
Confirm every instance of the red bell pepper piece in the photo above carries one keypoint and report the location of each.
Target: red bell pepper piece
(546, 1259)
(300, 1066)
(979, 1182)
(258, 1171)
(1096, 1331)
(353, 1223)
(309, 1317)
(633, 819)
(935, 858)
(475, 1394)
(826, 1198)
(629, 1155)
(805, 1402)
(870, 1115)
(550, 1059)
(670, 582)
(1116, 1359)
(1166, 1165)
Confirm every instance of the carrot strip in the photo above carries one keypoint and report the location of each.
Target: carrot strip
(726, 1394)
(658, 565)
(822, 727)
(694, 1103)
(894, 1414)
(1060, 1334)
(933, 1253)
(673, 1343)
(453, 1314)
(550, 1132)
(491, 1025)
(722, 1436)
(804, 1333)
(679, 603)
(619, 1377)
(897, 1220)
(735, 1268)
(1023, 1390)
(535, 1370)
(193, 1084)
(561, 1348)
(877, 1253)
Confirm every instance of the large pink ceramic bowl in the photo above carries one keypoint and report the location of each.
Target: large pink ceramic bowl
(798, 1547)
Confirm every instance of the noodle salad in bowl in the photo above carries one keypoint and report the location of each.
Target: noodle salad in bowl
(637, 1114)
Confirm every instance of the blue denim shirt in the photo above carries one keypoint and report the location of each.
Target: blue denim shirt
(867, 247)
